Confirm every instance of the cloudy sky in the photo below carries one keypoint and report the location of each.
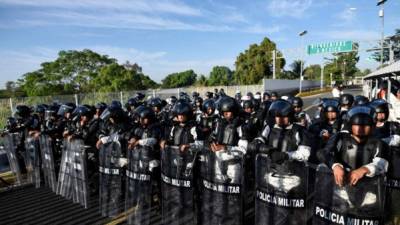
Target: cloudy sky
(166, 36)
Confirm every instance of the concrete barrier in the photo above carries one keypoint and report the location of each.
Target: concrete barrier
(288, 86)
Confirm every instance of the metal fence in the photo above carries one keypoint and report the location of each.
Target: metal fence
(7, 105)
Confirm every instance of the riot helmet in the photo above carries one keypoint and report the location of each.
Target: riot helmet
(360, 100)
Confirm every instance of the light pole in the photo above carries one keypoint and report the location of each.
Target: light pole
(381, 3)
(301, 34)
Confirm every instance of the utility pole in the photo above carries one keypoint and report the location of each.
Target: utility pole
(381, 3)
(274, 64)
(301, 34)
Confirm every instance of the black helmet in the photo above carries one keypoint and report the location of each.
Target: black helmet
(198, 100)
(330, 105)
(228, 104)
(145, 112)
(22, 111)
(80, 111)
(66, 108)
(101, 106)
(155, 102)
(360, 100)
(238, 96)
(209, 103)
(281, 108)
(361, 115)
(51, 111)
(209, 94)
(195, 94)
(248, 104)
(182, 107)
(380, 106)
(274, 94)
(41, 108)
(115, 111)
(132, 103)
(296, 102)
(266, 93)
(115, 105)
(346, 99)
(139, 96)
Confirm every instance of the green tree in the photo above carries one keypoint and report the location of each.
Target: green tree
(342, 66)
(312, 72)
(202, 81)
(255, 63)
(296, 68)
(393, 41)
(83, 71)
(181, 79)
(220, 75)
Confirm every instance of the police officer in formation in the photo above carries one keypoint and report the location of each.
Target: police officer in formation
(351, 135)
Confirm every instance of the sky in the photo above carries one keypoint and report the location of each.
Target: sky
(166, 36)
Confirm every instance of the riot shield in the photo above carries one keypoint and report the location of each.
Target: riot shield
(49, 173)
(281, 191)
(32, 161)
(392, 208)
(65, 175)
(221, 187)
(139, 185)
(359, 204)
(11, 141)
(110, 192)
(177, 186)
(79, 173)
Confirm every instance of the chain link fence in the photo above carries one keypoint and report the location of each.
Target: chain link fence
(7, 105)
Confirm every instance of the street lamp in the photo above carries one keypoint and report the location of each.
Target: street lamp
(381, 3)
(301, 34)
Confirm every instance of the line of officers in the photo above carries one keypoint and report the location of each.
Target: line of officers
(253, 123)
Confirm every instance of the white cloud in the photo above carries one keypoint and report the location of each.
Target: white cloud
(260, 29)
(290, 8)
(348, 15)
(350, 34)
(152, 6)
(15, 63)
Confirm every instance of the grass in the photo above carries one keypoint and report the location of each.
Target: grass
(314, 92)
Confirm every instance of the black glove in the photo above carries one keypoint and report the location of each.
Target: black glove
(266, 149)
(278, 157)
(253, 146)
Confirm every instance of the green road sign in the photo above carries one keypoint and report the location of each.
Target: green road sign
(330, 47)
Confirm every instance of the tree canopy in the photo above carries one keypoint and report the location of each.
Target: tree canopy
(181, 79)
(255, 63)
(83, 71)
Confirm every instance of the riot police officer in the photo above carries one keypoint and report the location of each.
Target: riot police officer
(302, 118)
(357, 152)
(283, 140)
(328, 124)
(228, 133)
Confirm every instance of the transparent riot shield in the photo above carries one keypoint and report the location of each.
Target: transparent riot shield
(281, 192)
(141, 163)
(11, 141)
(110, 179)
(392, 208)
(49, 173)
(66, 176)
(33, 161)
(221, 187)
(177, 186)
(79, 170)
(359, 204)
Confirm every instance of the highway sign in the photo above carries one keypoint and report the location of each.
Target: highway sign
(330, 47)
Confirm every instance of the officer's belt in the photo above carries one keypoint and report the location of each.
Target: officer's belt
(109, 171)
(138, 176)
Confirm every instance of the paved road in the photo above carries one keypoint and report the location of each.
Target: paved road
(309, 102)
